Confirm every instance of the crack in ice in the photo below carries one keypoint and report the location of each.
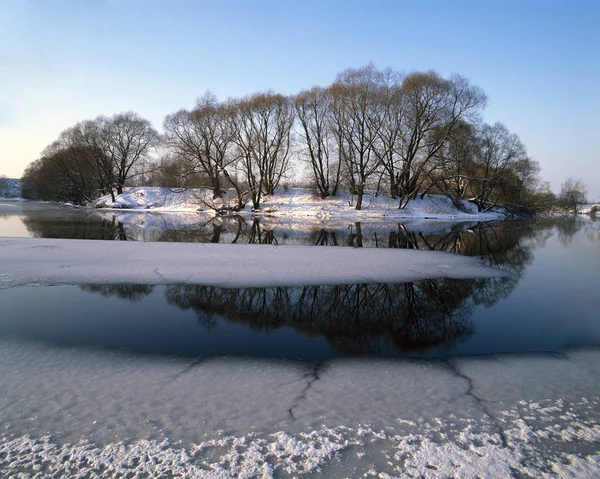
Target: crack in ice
(313, 375)
(479, 401)
(191, 366)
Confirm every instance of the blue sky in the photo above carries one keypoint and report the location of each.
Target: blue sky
(62, 61)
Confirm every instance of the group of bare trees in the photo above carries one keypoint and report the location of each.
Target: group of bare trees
(406, 134)
(92, 158)
(245, 143)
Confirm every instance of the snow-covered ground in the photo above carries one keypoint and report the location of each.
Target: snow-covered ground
(150, 225)
(587, 208)
(295, 202)
(57, 261)
(10, 188)
(76, 412)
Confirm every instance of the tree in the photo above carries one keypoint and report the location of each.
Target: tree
(455, 164)
(573, 192)
(88, 134)
(313, 109)
(127, 140)
(499, 151)
(542, 199)
(354, 124)
(389, 124)
(4, 186)
(94, 156)
(202, 140)
(262, 125)
(434, 107)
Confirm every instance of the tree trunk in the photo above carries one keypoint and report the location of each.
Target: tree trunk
(394, 191)
(359, 198)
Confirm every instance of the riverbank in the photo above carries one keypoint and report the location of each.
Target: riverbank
(294, 203)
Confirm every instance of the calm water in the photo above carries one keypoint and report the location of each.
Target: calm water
(551, 300)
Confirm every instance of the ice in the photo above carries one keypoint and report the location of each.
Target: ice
(510, 378)
(379, 392)
(58, 261)
(76, 412)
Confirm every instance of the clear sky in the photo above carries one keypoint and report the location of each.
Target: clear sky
(62, 61)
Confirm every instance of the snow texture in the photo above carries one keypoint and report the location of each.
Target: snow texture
(10, 188)
(295, 203)
(57, 261)
(76, 412)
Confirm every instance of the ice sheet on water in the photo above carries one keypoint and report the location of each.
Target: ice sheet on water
(58, 261)
(99, 413)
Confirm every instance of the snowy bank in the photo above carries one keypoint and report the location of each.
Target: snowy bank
(58, 261)
(294, 202)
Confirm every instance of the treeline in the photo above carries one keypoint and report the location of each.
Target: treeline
(9, 187)
(404, 134)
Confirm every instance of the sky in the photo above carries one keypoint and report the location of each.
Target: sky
(64, 61)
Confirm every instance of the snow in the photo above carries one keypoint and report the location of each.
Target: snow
(10, 188)
(57, 261)
(77, 412)
(158, 198)
(587, 208)
(149, 225)
(294, 203)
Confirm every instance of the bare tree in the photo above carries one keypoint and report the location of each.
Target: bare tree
(202, 140)
(89, 134)
(390, 123)
(313, 109)
(573, 192)
(434, 106)
(262, 126)
(499, 151)
(4, 187)
(127, 140)
(354, 124)
(456, 162)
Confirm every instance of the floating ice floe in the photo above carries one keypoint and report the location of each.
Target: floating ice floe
(58, 261)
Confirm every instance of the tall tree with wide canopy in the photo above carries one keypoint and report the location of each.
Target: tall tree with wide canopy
(354, 124)
(262, 126)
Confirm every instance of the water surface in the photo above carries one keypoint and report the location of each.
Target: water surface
(549, 302)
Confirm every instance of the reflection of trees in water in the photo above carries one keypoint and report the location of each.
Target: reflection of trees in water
(208, 231)
(74, 225)
(496, 243)
(592, 231)
(367, 318)
(567, 228)
(260, 235)
(358, 319)
(508, 246)
(6, 214)
(322, 237)
(354, 319)
(129, 292)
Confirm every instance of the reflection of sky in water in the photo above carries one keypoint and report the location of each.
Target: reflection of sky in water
(13, 226)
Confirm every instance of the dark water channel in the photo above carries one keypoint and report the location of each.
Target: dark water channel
(551, 300)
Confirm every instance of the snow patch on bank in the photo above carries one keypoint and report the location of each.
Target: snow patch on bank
(294, 203)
